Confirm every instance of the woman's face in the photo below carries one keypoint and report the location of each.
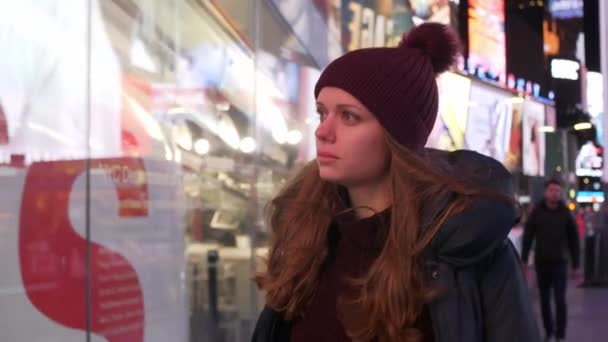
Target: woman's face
(351, 148)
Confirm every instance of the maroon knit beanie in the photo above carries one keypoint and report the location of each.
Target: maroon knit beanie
(397, 84)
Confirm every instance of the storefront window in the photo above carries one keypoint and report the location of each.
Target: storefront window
(139, 143)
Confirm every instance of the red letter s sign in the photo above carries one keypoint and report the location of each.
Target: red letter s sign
(53, 255)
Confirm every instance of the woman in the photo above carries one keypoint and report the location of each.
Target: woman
(382, 240)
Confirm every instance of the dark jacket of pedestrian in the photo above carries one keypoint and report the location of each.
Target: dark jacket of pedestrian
(554, 233)
(553, 229)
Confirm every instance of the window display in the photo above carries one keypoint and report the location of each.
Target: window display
(43, 92)
(138, 147)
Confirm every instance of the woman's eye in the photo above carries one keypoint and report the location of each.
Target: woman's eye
(321, 115)
(350, 117)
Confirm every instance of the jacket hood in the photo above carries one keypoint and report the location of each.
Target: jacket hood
(469, 236)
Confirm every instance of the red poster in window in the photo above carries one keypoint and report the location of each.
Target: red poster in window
(53, 256)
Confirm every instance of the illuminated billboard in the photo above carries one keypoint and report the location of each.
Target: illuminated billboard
(487, 51)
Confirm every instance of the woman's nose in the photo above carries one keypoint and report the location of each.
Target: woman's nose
(326, 130)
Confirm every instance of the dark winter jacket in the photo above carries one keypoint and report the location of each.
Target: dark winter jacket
(485, 295)
(555, 233)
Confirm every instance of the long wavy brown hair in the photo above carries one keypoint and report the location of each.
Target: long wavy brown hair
(392, 293)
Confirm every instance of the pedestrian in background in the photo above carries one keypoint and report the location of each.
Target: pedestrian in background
(553, 229)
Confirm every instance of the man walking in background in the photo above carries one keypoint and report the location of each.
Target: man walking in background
(553, 228)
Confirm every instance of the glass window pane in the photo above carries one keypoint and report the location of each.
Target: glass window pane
(148, 135)
(43, 148)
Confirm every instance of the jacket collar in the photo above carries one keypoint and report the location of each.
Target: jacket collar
(469, 236)
(560, 206)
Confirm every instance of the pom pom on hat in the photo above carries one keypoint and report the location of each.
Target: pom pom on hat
(437, 41)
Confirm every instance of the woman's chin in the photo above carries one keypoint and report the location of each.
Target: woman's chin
(329, 175)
